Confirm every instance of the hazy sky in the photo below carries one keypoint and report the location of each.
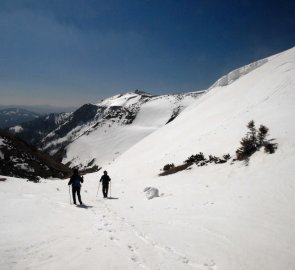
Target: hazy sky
(68, 52)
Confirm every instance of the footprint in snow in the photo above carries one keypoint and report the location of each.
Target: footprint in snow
(211, 265)
(133, 258)
(130, 248)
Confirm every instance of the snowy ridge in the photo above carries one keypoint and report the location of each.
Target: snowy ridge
(124, 100)
(238, 73)
(60, 118)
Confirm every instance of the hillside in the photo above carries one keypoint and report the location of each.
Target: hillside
(19, 159)
(231, 216)
(234, 216)
(223, 216)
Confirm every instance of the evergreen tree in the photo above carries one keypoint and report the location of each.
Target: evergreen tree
(252, 134)
(262, 134)
(253, 141)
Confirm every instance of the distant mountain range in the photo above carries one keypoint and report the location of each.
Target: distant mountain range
(41, 109)
(14, 116)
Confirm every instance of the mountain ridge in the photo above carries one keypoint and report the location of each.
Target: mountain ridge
(57, 133)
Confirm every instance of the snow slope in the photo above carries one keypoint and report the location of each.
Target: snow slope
(235, 216)
(216, 217)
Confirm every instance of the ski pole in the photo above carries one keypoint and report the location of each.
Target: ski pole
(110, 189)
(70, 195)
(98, 189)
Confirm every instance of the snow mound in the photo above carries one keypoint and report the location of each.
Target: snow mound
(151, 192)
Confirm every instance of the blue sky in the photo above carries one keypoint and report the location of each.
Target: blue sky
(69, 52)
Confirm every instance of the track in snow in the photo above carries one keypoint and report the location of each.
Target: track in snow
(142, 250)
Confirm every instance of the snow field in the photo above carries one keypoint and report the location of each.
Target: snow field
(41, 230)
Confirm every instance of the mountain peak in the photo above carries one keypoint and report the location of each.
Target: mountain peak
(125, 99)
(142, 93)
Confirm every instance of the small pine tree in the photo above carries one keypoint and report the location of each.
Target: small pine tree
(262, 134)
(249, 144)
(251, 126)
(246, 150)
(252, 134)
(253, 141)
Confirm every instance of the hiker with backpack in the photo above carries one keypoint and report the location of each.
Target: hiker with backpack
(76, 181)
(105, 179)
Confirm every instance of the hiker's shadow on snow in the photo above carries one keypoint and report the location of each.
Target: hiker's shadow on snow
(84, 206)
(113, 198)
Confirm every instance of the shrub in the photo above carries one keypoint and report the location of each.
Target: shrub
(270, 147)
(175, 169)
(227, 157)
(196, 158)
(218, 160)
(167, 167)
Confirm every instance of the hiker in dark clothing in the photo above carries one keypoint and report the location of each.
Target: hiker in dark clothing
(105, 179)
(76, 181)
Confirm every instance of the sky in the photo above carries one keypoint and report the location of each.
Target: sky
(71, 52)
